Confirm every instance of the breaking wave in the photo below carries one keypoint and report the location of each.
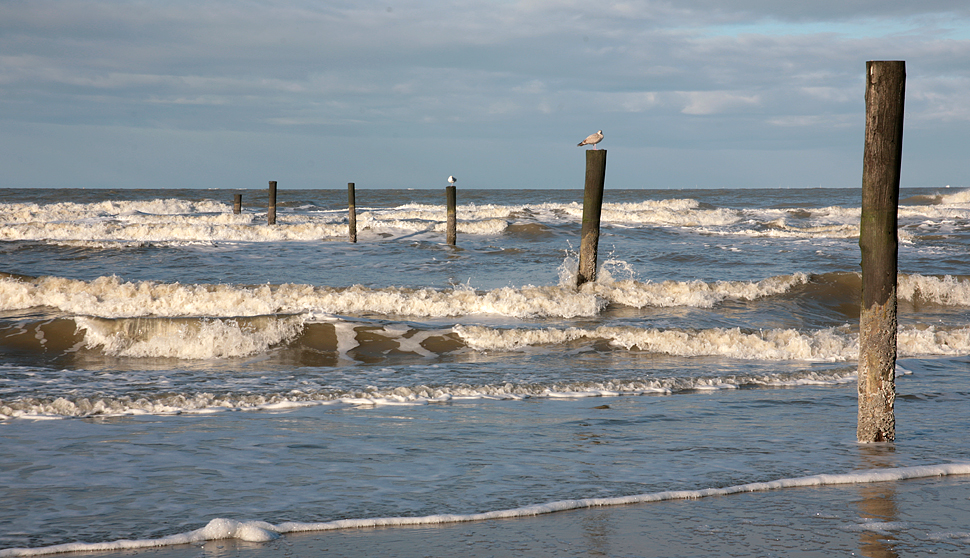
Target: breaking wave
(205, 402)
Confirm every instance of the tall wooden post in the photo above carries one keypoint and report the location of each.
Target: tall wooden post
(237, 204)
(452, 218)
(592, 207)
(271, 209)
(351, 212)
(885, 94)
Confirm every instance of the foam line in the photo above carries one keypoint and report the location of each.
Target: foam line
(879, 475)
(259, 531)
(176, 403)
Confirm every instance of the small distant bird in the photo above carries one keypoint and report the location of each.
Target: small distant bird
(452, 180)
(592, 139)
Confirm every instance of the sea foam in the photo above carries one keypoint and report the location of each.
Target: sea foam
(110, 297)
(165, 221)
(826, 345)
(414, 395)
(944, 291)
(697, 294)
(260, 531)
(206, 338)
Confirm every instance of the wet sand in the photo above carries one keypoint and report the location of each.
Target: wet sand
(887, 519)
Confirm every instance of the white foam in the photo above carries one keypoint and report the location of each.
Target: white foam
(412, 343)
(126, 223)
(346, 338)
(698, 294)
(118, 224)
(957, 199)
(110, 297)
(872, 476)
(61, 407)
(481, 227)
(827, 345)
(69, 211)
(223, 321)
(193, 339)
(666, 213)
(217, 529)
(776, 344)
(258, 531)
(781, 228)
(933, 340)
(946, 291)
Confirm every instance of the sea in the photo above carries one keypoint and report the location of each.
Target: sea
(173, 373)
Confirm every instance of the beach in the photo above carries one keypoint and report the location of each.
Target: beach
(918, 517)
(180, 380)
(914, 517)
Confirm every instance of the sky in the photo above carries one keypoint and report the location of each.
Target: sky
(403, 93)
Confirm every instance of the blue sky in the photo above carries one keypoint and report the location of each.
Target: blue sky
(402, 94)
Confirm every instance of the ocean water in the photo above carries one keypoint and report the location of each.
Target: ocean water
(172, 373)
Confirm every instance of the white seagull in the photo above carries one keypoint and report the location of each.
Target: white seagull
(452, 180)
(592, 139)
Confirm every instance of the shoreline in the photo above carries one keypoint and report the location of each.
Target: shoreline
(878, 511)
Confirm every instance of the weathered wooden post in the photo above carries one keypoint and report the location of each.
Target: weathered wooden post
(351, 212)
(237, 204)
(271, 210)
(452, 219)
(592, 207)
(885, 95)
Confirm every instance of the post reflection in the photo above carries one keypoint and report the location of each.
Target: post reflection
(596, 531)
(877, 503)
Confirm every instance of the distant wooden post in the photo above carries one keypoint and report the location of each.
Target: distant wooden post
(271, 210)
(351, 212)
(237, 204)
(452, 219)
(885, 94)
(592, 207)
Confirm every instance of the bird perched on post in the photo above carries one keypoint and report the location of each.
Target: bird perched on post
(452, 180)
(592, 139)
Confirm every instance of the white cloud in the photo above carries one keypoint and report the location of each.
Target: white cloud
(942, 106)
(476, 69)
(809, 120)
(639, 101)
(533, 87)
(717, 102)
(834, 94)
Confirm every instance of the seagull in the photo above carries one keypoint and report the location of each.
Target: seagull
(452, 180)
(592, 139)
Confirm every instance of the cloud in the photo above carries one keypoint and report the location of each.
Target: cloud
(715, 102)
(812, 120)
(479, 70)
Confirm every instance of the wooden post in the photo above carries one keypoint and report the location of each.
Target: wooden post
(237, 204)
(271, 210)
(351, 212)
(592, 207)
(452, 219)
(885, 94)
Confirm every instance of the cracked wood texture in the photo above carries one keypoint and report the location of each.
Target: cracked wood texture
(885, 94)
